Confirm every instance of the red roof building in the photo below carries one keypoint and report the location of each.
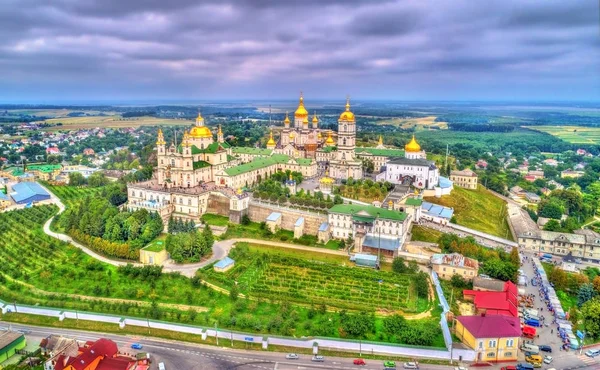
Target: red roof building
(52, 150)
(495, 303)
(99, 355)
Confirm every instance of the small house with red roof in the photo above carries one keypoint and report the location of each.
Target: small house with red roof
(495, 303)
(102, 354)
(495, 338)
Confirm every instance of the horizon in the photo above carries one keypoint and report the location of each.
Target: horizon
(134, 51)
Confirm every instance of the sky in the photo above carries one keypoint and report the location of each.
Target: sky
(142, 50)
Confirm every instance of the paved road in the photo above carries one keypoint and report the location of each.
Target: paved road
(185, 356)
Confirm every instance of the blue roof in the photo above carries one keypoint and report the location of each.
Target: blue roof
(299, 221)
(23, 191)
(437, 210)
(373, 241)
(274, 216)
(368, 257)
(324, 226)
(224, 262)
(4, 196)
(445, 182)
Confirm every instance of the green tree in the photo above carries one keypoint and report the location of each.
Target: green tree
(591, 316)
(552, 225)
(394, 324)
(586, 292)
(76, 179)
(399, 266)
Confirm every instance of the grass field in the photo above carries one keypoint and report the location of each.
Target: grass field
(478, 209)
(304, 281)
(115, 121)
(572, 134)
(419, 123)
(425, 234)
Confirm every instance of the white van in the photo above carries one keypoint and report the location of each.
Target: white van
(531, 312)
(530, 348)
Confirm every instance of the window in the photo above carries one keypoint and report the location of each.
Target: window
(491, 354)
(507, 354)
(510, 342)
(480, 345)
(492, 344)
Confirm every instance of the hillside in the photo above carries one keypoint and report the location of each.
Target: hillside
(478, 209)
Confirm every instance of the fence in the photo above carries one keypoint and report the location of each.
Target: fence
(445, 309)
(204, 332)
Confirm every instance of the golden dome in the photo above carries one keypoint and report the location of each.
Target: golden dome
(291, 134)
(271, 141)
(329, 140)
(301, 112)
(315, 119)
(347, 115)
(287, 119)
(305, 120)
(220, 132)
(380, 142)
(319, 136)
(413, 146)
(326, 180)
(200, 132)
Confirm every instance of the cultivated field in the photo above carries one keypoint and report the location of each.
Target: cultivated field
(572, 134)
(56, 113)
(285, 278)
(407, 123)
(116, 121)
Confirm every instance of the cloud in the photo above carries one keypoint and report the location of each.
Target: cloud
(185, 49)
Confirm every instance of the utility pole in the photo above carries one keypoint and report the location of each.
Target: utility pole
(446, 161)
(217, 332)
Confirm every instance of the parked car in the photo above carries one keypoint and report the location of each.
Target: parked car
(291, 356)
(318, 358)
(548, 359)
(534, 359)
(509, 368)
(524, 366)
(136, 346)
(359, 361)
(592, 353)
(545, 348)
(389, 365)
(410, 365)
(460, 368)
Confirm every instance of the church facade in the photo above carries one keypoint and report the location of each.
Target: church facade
(413, 168)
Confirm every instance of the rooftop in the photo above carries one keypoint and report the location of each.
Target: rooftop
(299, 221)
(224, 262)
(324, 226)
(454, 259)
(466, 173)
(374, 241)
(437, 210)
(414, 202)
(368, 211)
(24, 190)
(491, 326)
(46, 168)
(8, 337)
(254, 151)
(381, 152)
(274, 216)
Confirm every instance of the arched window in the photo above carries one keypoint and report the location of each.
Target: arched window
(173, 162)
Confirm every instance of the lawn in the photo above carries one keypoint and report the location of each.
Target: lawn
(477, 209)
(572, 134)
(425, 234)
(157, 244)
(303, 281)
(215, 220)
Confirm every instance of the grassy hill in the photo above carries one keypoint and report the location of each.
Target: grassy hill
(478, 209)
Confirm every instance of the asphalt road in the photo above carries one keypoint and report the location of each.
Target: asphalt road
(188, 356)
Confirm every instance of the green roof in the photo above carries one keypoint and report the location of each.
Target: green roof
(44, 167)
(353, 209)
(414, 202)
(212, 148)
(381, 152)
(262, 162)
(363, 218)
(201, 164)
(328, 149)
(155, 246)
(248, 150)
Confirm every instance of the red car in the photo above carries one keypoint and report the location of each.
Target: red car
(359, 361)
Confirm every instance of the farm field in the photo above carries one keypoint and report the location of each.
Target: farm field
(40, 270)
(115, 121)
(478, 209)
(419, 123)
(572, 134)
(70, 195)
(303, 281)
(56, 113)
